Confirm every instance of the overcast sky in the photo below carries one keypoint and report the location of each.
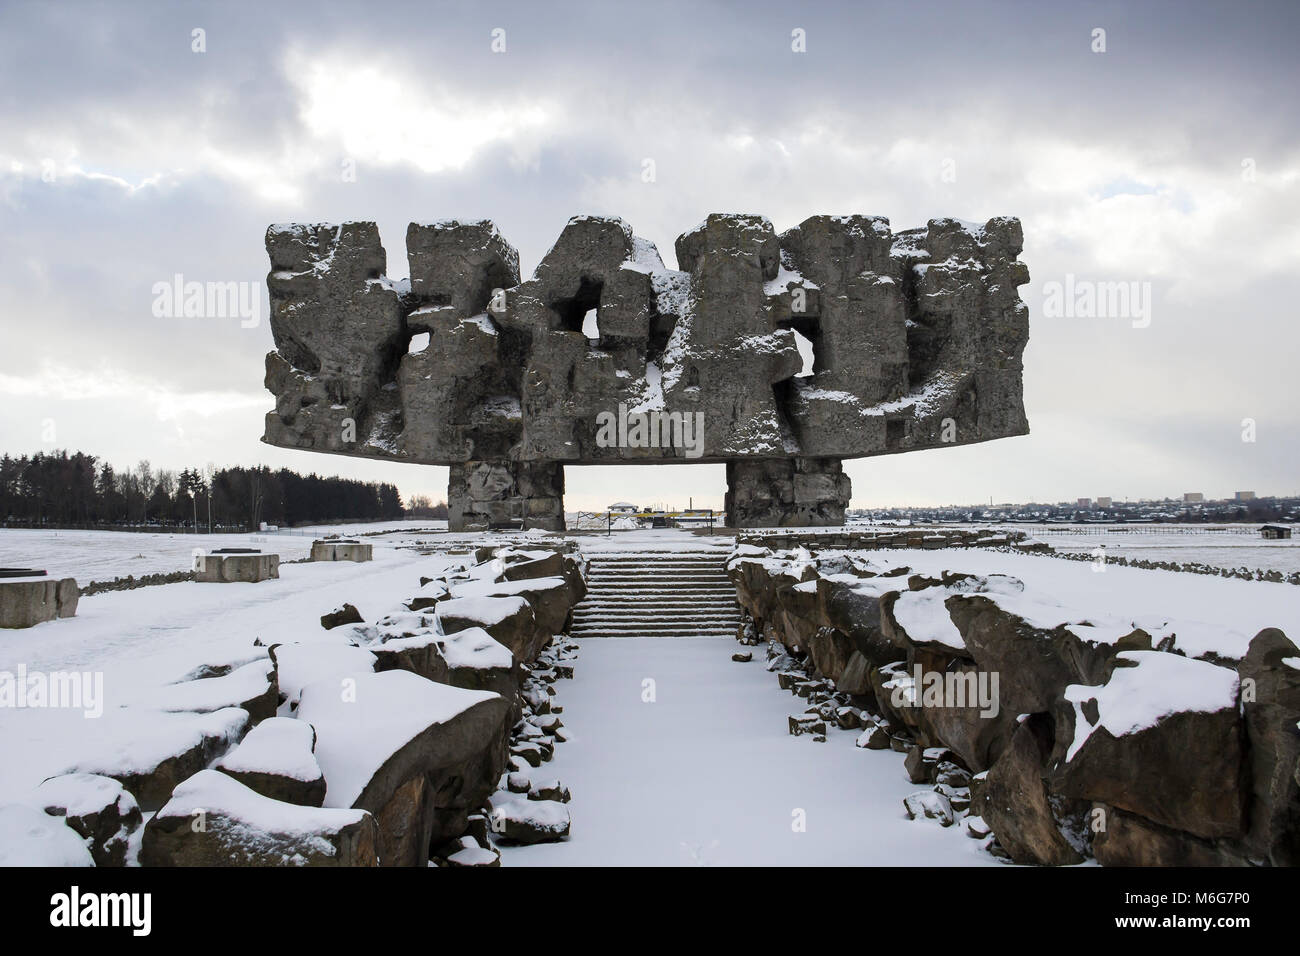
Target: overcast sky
(1172, 158)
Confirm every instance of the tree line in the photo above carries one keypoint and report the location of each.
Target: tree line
(59, 488)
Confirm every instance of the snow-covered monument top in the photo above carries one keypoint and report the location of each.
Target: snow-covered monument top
(916, 339)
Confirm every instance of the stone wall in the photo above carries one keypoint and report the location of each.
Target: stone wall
(1060, 769)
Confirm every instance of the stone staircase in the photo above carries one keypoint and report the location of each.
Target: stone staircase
(680, 593)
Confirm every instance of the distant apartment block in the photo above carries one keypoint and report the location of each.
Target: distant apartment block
(1103, 502)
(1245, 496)
(1193, 497)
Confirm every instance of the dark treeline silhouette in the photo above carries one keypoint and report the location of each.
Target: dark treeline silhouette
(77, 489)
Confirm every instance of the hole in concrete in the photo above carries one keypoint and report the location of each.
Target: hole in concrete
(926, 336)
(419, 342)
(805, 347)
(589, 327)
(573, 312)
(808, 337)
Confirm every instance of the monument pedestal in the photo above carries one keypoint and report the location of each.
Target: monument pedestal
(786, 493)
(505, 494)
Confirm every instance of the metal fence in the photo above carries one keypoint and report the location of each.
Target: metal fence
(690, 518)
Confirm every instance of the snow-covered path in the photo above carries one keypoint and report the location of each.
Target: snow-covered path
(707, 773)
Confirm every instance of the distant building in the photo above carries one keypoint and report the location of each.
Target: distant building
(1084, 502)
(1245, 496)
(623, 508)
(1103, 502)
(1193, 497)
(1274, 532)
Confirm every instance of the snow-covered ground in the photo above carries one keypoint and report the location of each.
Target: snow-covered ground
(1228, 549)
(104, 555)
(144, 638)
(707, 773)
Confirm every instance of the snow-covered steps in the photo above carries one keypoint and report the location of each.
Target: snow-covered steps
(677, 593)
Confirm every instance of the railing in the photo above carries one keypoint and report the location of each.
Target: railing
(703, 517)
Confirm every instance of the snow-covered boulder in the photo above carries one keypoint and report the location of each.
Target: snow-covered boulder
(542, 564)
(1035, 646)
(214, 820)
(510, 620)
(549, 597)
(521, 820)
(298, 665)
(150, 752)
(344, 614)
(473, 659)
(928, 805)
(97, 808)
(30, 837)
(1163, 738)
(469, 658)
(851, 605)
(431, 592)
(253, 687)
(277, 759)
(419, 755)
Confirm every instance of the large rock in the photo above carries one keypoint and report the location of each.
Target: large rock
(536, 564)
(344, 614)
(1015, 801)
(550, 598)
(150, 752)
(471, 659)
(1035, 662)
(510, 620)
(851, 605)
(420, 756)
(252, 687)
(214, 820)
(1128, 840)
(97, 808)
(522, 820)
(297, 665)
(1163, 739)
(1270, 674)
(277, 760)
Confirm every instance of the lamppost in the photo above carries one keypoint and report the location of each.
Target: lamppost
(209, 471)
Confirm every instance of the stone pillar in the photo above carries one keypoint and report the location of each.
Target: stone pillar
(501, 494)
(786, 492)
